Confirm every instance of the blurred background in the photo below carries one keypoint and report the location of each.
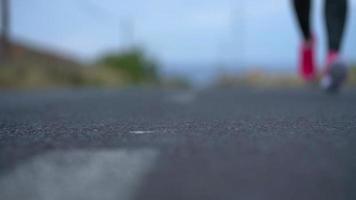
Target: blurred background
(175, 43)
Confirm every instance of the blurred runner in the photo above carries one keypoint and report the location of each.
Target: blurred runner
(335, 70)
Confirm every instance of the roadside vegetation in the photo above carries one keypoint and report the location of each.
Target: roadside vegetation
(112, 70)
(134, 66)
(264, 79)
(35, 69)
(352, 78)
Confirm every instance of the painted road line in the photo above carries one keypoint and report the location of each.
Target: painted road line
(183, 97)
(141, 132)
(79, 175)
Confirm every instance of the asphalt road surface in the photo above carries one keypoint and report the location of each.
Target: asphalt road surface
(150, 144)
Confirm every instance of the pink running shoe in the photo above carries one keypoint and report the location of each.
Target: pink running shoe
(307, 69)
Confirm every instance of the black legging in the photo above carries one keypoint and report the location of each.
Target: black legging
(335, 14)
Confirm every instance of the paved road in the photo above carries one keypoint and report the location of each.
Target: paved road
(156, 144)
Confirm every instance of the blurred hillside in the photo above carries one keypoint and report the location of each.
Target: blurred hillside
(31, 67)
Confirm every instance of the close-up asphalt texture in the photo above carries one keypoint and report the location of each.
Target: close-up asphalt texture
(228, 144)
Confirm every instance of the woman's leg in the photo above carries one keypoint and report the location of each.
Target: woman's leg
(306, 58)
(335, 71)
(335, 14)
(302, 9)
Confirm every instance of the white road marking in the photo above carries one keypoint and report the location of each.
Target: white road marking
(183, 98)
(141, 132)
(79, 175)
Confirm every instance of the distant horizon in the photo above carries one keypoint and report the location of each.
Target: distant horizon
(198, 74)
(75, 57)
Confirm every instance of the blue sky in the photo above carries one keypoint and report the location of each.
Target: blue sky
(255, 32)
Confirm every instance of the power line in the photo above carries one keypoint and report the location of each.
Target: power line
(96, 12)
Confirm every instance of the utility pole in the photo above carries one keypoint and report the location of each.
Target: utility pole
(239, 30)
(5, 26)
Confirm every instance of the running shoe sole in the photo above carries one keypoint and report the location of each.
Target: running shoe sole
(337, 77)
